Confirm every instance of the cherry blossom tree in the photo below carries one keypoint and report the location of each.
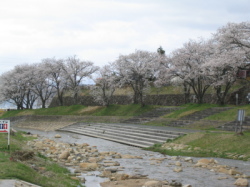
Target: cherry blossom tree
(56, 75)
(105, 86)
(187, 65)
(75, 71)
(235, 35)
(27, 74)
(222, 70)
(43, 86)
(17, 86)
(10, 91)
(137, 70)
(232, 53)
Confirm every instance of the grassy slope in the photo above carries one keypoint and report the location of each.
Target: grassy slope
(113, 110)
(56, 175)
(207, 141)
(210, 144)
(189, 109)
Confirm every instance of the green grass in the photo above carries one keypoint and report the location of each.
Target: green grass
(53, 176)
(112, 110)
(123, 110)
(62, 110)
(15, 141)
(166, 90)
(189, 109)
(230, 115)
(210, 144)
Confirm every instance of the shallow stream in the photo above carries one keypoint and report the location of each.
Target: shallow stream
(195, 176)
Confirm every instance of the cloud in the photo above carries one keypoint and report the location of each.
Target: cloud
(99, 31)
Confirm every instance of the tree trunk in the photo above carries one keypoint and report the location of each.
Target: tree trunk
(186, 93)
(75, 98)
(43, 103)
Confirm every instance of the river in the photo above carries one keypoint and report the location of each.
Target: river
(195, 176)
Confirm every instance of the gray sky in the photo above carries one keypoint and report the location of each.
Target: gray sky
(101, 30)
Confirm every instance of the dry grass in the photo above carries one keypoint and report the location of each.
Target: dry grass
(89, 109)
(44, 125)
(123, 91)
(189, 138)
(26, 112)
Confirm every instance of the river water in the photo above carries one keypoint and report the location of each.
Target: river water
(196, 176)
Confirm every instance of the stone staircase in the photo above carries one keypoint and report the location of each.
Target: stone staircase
(196, 116)
(150, 116)
(123, 133)
(230, 126)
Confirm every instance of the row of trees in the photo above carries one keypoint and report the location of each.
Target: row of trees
(52, 77)
(196, 66)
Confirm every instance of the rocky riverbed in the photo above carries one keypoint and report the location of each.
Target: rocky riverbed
(104, 163)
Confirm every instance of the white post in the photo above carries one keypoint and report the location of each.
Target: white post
(9, 137)
(5, 128)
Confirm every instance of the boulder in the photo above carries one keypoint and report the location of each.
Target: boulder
(119, 176)
(38, 144)
(234, 172)
(111, 163)
(241, 182)
(223, 170)
(174, 157)
(158, 159)
(93, 159)
(88, 166)
(77, 171)
(152, 184)
(106, 173)
(58, 136)
(188, 159)
(178, 169)
(128, 157)
(175, 183)
(178, 163)
(64, 155)
(203, 161)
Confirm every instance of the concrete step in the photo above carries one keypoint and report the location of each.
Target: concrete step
(118, 136)
(130, 134)
(126, 134)
(132, 128)
(139, 133)
(119, 139)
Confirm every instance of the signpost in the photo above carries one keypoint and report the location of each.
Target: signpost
(237, 98)
(5, 128)
(240, 118)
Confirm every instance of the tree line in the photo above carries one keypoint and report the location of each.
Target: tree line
(196, 66)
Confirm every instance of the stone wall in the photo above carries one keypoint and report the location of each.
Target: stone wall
(164, 100)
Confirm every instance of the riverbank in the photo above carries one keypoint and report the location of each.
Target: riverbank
(20, 162)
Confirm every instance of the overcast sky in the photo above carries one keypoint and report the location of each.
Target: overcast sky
(101, 30)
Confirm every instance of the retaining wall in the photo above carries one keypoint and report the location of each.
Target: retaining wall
(164, 100)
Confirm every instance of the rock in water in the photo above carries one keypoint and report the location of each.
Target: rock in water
(241, 182)
(64, 155)
(58, 136)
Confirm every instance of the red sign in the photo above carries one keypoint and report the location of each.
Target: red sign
(4, 126)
